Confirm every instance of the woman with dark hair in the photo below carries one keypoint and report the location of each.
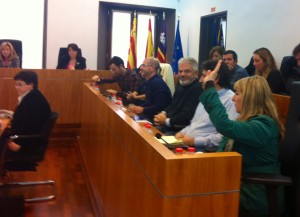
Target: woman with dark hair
(73, 60)
(265, 66)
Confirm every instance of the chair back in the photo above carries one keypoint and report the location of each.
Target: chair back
(167, 75)
(286, 66)
(17, 44)
(290, 152)
(45, 136)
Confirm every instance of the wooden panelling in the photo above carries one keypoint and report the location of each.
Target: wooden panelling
(62, 88)
(283, 104)
(131, 174)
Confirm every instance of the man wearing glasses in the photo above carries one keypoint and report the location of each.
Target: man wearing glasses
(185, 100)
(158, 94)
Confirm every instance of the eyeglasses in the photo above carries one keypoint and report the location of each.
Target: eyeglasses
(145, 65)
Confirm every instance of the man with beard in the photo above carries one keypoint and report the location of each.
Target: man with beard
(128, 80)
(185, 100)
(201, 132)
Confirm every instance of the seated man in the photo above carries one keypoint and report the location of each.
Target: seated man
(185, 99)
(231, 59)
(201, 133)
(294, 69)
(31, 114)
(128, 80)
(158, 94)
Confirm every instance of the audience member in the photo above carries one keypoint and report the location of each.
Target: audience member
(128, 80)
(266, 67)
(237, 72)
(185, 100)
(255, 134)
(8, 57)
(294, 73)
(201, 132)
(158, 94)
(73, 60)
(30, 115)
(216, 53)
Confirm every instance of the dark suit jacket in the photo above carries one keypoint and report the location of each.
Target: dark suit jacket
(64, 62)
(30, 116)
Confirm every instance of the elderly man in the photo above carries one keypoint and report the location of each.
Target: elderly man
(158, 94)
(201, 133)
(237, 72)
(185, 100)
(128, 81)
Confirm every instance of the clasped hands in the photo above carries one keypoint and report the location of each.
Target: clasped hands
(160, 119)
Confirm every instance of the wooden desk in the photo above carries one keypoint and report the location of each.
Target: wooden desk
(132, 175)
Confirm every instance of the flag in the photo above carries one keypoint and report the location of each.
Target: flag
(131, 62)
(220, 36)
(177, 53)
(216, 31)
(162, 46)
(149, 47)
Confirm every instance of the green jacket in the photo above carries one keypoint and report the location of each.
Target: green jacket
(256, 139)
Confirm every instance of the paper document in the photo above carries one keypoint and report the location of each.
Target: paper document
(170, 140)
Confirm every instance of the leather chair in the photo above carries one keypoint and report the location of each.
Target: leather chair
(290, 167)
(167, 75)
(17, 44)
(250, 67)
(40, 142)
(63, 51)
(286, 66)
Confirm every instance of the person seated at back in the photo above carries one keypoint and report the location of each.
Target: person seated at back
(8, 57)
(73, 60)
(255, 134)
(294, 73)
(129, 81)
(185, 100)
(158, 94)
(201, 132)
(31, 114)
(265, 66)
(216, 53)
(237, 72)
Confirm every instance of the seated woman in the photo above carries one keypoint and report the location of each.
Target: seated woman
(216, 53)
(73, 60)
(265, 66)
(31, 114)
(255, 134)
(8, 57)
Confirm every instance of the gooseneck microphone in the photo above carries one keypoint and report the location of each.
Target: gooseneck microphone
(168, 145)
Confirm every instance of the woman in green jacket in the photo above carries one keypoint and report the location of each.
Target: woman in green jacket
(255, 134)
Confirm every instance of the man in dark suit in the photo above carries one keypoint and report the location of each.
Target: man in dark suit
(32, 111)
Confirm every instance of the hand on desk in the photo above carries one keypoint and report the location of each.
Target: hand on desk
(112, 92)
(185, 139)
(136, 109)
(160, 119)
(13, 146)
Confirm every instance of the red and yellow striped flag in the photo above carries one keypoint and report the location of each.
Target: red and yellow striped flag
(131, 62)
(149, 48)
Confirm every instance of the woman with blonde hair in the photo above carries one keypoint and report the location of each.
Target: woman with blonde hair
(265, 66)
(8, 57)
(255, 134)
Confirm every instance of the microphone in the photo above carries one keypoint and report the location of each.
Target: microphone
(159, 136)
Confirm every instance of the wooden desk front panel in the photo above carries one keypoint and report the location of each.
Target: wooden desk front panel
(131, 174)
(62, 88)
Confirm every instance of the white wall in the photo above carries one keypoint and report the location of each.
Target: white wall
(77, 21)
(273, 24)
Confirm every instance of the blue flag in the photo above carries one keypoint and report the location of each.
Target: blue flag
(177, 53)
